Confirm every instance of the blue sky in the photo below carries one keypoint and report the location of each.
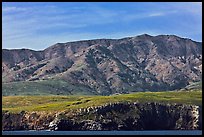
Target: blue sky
(39, 25)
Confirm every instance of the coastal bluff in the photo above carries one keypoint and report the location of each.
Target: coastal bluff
(111, 116)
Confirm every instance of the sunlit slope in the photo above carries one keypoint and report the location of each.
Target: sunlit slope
(66, 103)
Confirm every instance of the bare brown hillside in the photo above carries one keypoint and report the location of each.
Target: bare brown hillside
(107, 66)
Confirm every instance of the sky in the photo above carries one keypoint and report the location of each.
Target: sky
(38, 25)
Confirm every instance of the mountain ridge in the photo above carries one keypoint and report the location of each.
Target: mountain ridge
(108, 66)
(84, 40)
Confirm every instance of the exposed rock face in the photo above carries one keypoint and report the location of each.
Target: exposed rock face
(26, 121)
(116, 116)
(108, 66)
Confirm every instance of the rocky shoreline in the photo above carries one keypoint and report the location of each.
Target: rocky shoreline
(112, 116)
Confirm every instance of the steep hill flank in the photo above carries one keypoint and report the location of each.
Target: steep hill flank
(108, 66)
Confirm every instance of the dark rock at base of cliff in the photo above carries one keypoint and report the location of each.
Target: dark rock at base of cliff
(134, 116)
(13, 121)
(113, 116)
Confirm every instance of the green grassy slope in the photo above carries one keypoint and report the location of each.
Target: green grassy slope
(73, 102)
(45, 87)
(58, 87)
(194, 86)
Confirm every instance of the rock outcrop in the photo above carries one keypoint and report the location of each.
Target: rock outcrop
(115, 116)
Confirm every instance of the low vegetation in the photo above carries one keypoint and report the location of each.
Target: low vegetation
(43, 87)
(73, 102)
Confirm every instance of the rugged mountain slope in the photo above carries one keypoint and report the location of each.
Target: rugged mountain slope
(106, 66)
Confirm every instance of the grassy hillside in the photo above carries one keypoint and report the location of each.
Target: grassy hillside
(194, 86)
(62, 103)
(59, 87)
(44, 87)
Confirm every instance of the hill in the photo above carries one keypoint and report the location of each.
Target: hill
(108, 66)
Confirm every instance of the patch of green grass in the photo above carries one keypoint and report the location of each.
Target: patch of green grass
(43, 87)
(73, 102)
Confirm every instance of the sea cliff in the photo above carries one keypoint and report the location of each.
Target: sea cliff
(111, 116)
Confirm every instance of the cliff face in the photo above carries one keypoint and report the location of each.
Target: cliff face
(116, 116)
(106, 66)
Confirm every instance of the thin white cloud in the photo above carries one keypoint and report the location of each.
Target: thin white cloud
(30, 23)
(13, 9)
(132, 17)
(156, 14)
(29, 27)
